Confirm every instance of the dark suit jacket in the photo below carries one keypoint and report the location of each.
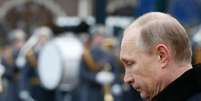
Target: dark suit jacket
(185, 88)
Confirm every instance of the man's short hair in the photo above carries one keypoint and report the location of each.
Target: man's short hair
(156, 27)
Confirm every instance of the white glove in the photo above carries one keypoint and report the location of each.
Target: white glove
(20, 61)
(25, 96)
(105, 77)
(117, 89)
(2, 69)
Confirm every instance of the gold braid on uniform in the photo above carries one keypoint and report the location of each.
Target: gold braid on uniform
(89, 60)
(9, 56)
(31, 58)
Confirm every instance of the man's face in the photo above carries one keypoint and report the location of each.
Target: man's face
(141, 69)
(18, 43)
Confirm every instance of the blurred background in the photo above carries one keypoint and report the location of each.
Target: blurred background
(68, 50)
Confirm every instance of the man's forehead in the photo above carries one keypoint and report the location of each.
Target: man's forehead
(131, 36)
(132, 31)
(130, 41)
(126, 50)
(127, 46)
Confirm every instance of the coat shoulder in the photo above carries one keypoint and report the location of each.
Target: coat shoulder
(196, 97)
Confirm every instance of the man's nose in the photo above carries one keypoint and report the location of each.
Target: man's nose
(127, 78)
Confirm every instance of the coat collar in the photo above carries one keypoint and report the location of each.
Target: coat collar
(183, 87)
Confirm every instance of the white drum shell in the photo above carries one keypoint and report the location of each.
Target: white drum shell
(59, 63)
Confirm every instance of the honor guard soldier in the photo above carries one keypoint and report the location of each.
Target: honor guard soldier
(31, 87)
(10, 53)
(97, 72)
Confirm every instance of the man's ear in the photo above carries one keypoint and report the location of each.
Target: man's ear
(163, 52)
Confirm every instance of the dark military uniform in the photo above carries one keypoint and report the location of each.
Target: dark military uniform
(30, 81)
(11, 75)
(90, 89)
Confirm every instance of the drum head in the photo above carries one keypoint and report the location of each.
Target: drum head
(50, 66)
(59, 63)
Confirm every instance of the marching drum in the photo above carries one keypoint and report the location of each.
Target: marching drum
(59, 63)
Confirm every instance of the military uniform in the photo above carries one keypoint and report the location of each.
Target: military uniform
(30, 81)
(90, 88)
(11, 75)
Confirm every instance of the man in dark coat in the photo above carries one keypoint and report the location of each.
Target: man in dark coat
(156, 54)
(185, 88)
